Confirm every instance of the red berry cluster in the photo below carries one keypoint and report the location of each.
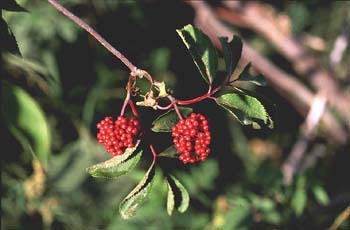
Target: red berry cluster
(119, 135)
(191, 138)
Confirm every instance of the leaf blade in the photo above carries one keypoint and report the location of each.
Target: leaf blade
(202, 51)
(231, 52)
(11, 5)
(170, 152)
(246, 109)
(246, 76)
(127, 208)
(166, 121)
(116, 166)
(18, 107)
(178, 196)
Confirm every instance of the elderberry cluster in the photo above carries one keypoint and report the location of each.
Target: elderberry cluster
(191, 138)
(119, 135)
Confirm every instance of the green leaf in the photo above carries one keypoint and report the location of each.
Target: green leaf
(166, 121)
(177, 196)
(169, 152)
(232, 53)
(246, 76)
(202, 50)
(11, 5)
(298, 202)
(246, 109)
(238, 214)
(8, 40)
(23, 114)
(138, 195)
(320, 195)
(116, 166)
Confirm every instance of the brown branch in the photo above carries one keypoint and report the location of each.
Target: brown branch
(294, 91)
(98, 37)
(259, 17)
(293, 163)
(342, 217)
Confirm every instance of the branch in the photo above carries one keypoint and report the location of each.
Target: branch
(294, 91)
(293, 162)
(342, 217)
(261, 19)
(90, 30)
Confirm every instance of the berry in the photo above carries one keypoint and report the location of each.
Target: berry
(191, 138)
(118, 135)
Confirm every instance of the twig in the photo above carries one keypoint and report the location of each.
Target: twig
(293, 162)
(98, 37)
(173, 102)
(154, 154)
(340, 45)
(295, 92)
(341, 218)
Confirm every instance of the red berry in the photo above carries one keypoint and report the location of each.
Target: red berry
(118, 135)
(191, 137)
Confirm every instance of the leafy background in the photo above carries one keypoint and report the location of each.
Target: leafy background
(66, 82)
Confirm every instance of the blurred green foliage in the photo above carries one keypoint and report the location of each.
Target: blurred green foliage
(65, 82)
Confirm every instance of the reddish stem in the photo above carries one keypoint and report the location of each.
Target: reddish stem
(133, 108)
(200, 98)
(98, 37)
(173, 103)
(153, 152)
(165, 107)
(126, 101)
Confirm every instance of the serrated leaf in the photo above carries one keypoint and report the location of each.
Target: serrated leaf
(169, 152)
(166, 121)
(246, 109)
(138, 195)
(11, 5)
(177, 196)
(232, 53)
(320, 195)
(247, 76)
(23, 114)
(202, 51)
(118, 165)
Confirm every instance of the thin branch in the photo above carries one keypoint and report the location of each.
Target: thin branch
(342, 217)
(293, 162)
(340, 45)
(200, 98)
(98, 37)
(173, 102)
(154, 154)
(133, 108)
